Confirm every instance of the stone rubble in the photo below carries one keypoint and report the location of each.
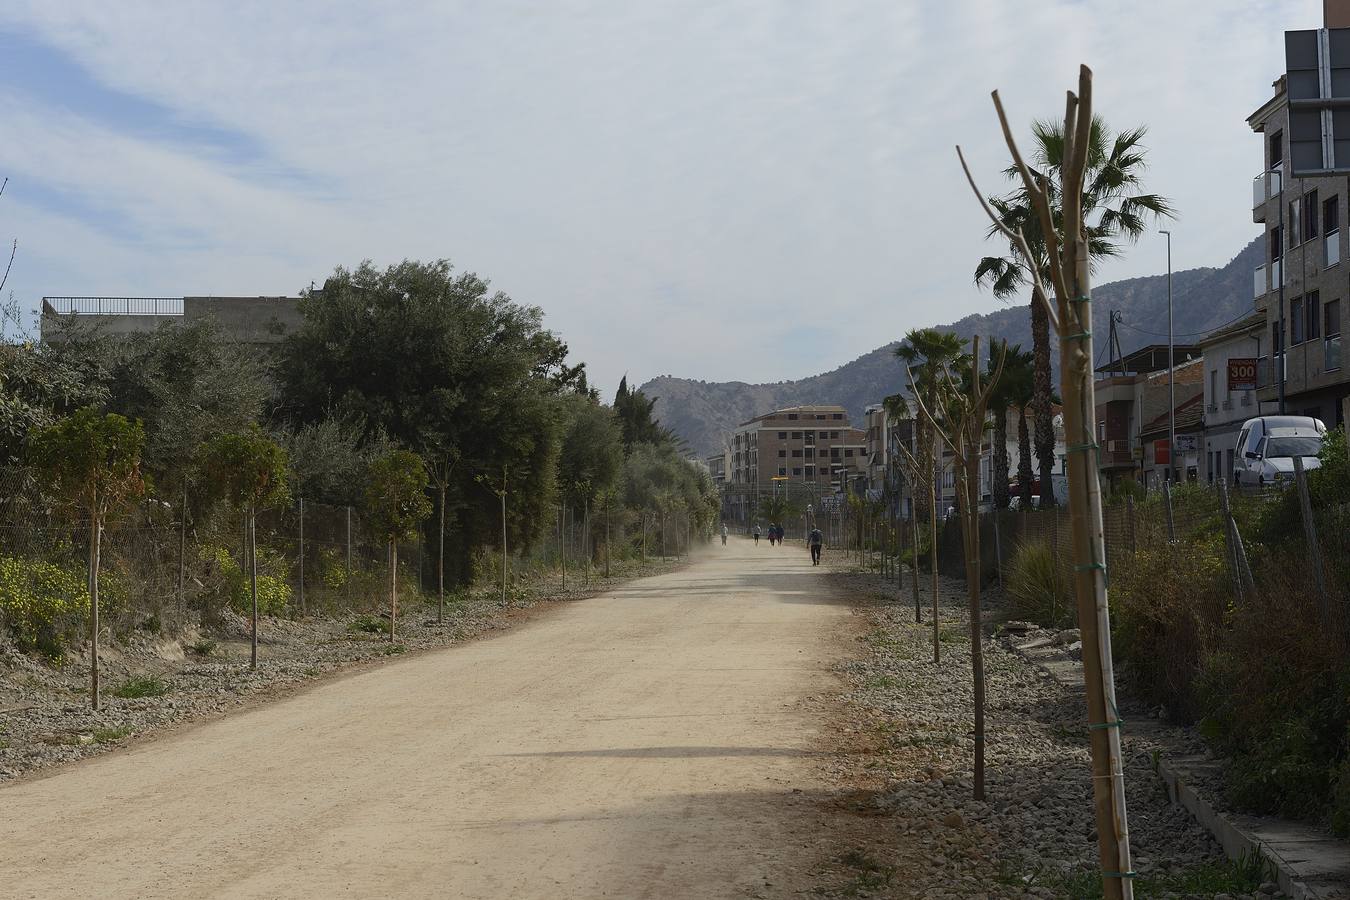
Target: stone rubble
(1033, 835)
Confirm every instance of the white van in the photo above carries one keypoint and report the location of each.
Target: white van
(1267, 445)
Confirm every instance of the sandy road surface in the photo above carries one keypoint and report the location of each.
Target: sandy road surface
(644, 743)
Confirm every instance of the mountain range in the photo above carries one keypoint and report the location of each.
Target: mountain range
(701, 412)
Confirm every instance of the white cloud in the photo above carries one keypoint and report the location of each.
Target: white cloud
(676, 187)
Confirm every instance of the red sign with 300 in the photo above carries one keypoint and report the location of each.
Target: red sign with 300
(1242, 374)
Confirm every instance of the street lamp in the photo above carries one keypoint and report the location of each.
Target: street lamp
(1171, 370)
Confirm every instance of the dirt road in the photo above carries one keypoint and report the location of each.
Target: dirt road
(644, 743)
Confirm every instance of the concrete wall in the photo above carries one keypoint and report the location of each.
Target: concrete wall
(251, 320)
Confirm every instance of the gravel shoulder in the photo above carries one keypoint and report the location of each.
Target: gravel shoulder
(194, 675)
(1034, 835)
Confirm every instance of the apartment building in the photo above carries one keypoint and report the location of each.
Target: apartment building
(885, 435)
(1300, 198)
(806, 444)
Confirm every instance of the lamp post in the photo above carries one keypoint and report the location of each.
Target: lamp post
(1171, 371)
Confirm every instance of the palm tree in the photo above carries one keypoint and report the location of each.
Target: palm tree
(1013, 391)
(931, 355)
(1113, 195)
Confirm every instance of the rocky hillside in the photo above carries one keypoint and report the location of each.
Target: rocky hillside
(702, 411)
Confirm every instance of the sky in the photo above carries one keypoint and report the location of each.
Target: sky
(751, 190)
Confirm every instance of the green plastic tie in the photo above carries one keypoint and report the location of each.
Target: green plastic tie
(1120, 874)
(1081, 336)
(1098, 726)
(1089, 567)
(1080, 300)
(1082, 448)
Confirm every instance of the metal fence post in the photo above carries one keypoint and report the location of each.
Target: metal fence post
(303, 611)
(1167, 501)
(182, 551)
(347, 580)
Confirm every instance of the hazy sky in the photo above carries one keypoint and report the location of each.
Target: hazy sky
(739, 189)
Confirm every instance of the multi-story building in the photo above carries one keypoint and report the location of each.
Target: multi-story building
(1132, 398)
(803, 450)
(885, 435)
(1300, 197)
(251, 320)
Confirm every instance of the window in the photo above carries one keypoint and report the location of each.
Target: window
(1331, 214)
(1276, 149)
(821, 418)
(1276, 333)
(1312, 316)
(810, 452)
(1213, 386)
(1332, 316)
(1296, 322)
(782, 453)
(834, 453)
(782, 470)
(797, 471)
(848, 451)
(1331, 359)
(810, 471)
(1295, 232)
(782, 435)
(834, 435)
(796, 435)
(837, 416)
(1310, 215)
(792, 417)
(1276, 243)
(797, 454)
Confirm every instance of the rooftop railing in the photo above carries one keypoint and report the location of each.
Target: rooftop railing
(114, 306)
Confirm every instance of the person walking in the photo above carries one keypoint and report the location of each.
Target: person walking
(724, 534)
(755, 533)
(816, 540)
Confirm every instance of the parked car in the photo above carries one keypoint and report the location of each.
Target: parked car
(1267, 446)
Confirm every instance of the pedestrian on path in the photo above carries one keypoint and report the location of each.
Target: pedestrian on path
(816, 540)
(724, 534)
(756, 534)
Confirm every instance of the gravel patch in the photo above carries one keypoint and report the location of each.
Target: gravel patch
(1033, 835)
(45, 719)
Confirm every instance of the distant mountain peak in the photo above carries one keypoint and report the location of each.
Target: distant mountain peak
(702, 412)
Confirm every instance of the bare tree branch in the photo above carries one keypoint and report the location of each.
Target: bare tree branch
(1037, 290)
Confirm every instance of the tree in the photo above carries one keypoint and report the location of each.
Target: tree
(1067, 274)
(1011, 391)
(396, 505)
(963, 416)
(634, 411)
(1113, 193)
(247, 470)
(434, 361)
(39, 384)
(928, 355)
(93, 461)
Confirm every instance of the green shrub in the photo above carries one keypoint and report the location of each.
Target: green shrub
(1168, 603)
(274, 592)
(41, 603)
(141, 686)
(368, 624)
(1038, 587)
(1277, 703)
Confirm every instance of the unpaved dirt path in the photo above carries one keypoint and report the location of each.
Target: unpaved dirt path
(656, 741)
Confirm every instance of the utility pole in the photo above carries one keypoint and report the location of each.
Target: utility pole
(1171, 371)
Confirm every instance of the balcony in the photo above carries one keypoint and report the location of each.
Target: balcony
(1331, 249)
(1259, 287)
(1331, 353)
(1264, 187)
(1259, 284)
(1265, 372)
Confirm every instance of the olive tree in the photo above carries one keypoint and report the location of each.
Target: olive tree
(247, 470)
(396, 505)
(93, 461)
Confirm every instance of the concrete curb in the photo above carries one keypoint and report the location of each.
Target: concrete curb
(1309, 864)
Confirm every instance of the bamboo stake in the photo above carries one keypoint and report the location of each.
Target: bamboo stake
(1310, 535)
(1069, 272)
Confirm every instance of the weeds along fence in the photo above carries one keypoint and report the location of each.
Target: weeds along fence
(168, 559)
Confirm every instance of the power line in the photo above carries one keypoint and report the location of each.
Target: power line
(1186, 333)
